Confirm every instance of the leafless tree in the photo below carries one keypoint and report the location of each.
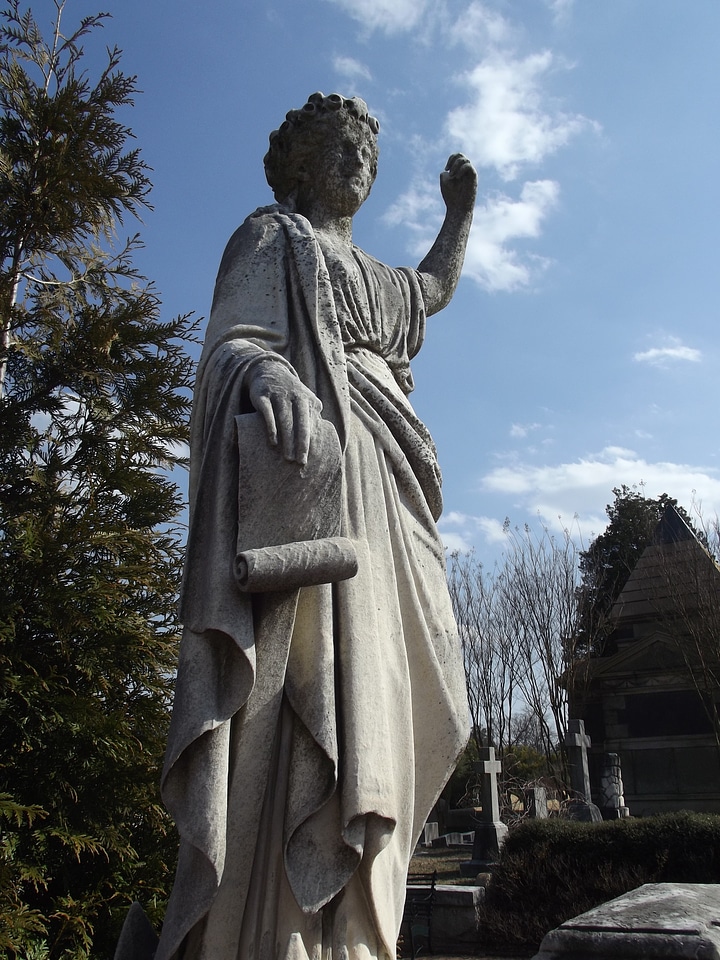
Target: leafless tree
(489, 657)
(518, 628)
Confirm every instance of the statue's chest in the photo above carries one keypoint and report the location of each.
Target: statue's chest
(342, 267)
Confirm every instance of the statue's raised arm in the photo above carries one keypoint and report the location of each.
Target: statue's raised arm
(440, 270)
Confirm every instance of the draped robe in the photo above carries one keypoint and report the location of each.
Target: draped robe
(312, 729)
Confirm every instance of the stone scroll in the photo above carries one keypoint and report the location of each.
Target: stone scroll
(289, 515)
(292, 565)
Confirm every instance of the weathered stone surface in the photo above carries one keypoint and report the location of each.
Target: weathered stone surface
(577, 743)
(536, 802)
(430, 833)
(138, 940)
(288, 848)
(582, 810)
(456, 915)
(455, 919)
(668, 920)
(611, 799)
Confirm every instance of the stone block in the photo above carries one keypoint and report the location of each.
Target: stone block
(669, 920)
(456, 915)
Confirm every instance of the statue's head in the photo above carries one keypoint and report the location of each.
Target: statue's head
(295, 146)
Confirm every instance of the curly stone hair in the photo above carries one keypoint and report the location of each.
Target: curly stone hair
(295, 143)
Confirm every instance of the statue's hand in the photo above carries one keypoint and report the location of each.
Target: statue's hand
(458, 183)
(287, 406)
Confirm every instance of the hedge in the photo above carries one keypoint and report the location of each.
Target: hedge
(552, 870)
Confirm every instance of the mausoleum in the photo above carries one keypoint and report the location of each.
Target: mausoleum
(653, 697)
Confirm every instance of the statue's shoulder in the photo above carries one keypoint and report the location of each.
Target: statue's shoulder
(263, 222)
(265, 228)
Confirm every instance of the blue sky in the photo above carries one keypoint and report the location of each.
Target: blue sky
(581, 350)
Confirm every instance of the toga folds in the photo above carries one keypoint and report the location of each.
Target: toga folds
(313, 729)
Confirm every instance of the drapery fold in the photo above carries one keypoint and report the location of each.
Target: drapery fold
(313, 728)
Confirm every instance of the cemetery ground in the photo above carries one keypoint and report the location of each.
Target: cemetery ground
(445, 860)
(552, 870)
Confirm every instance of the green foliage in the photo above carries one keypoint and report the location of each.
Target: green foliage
(94, 403)
(459, 787)
(543, 877)
(524, 764)
(611, 557)
(20, 925)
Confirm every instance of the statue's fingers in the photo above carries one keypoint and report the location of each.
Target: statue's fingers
(303, 429)
(283, 410)
(461, 166)
(265, 409)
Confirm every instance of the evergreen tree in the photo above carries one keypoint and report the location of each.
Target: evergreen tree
(607, 563)
(94, 402)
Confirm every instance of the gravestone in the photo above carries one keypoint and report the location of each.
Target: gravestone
(490, 833)
(430, 832)
(536, 802)
(577, 743)
(669, 920)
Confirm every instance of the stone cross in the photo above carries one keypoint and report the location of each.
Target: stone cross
(577, 743)
(490, 833)
(489, 768)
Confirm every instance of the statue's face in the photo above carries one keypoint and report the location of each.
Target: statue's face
(341, 171)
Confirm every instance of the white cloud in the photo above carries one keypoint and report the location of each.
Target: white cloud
(582, 488)
(521, 430)
(673, 350)
(455, 542)
(351, 69)
(507, 123)
(466, 528)
(561, 9)
(492, 529)
(392, 16)
(455, 518)
(490, 261)
(478, 27)
(419, 204)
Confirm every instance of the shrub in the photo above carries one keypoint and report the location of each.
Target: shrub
(552, 870)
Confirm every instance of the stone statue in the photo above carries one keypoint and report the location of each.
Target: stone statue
(320, 702)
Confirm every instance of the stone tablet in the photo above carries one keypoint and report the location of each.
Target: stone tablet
(672, 920)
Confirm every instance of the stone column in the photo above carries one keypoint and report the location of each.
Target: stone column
(611, 798)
